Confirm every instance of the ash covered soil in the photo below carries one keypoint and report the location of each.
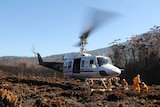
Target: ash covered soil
(31, 91)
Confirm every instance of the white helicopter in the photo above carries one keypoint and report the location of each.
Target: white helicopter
(83, 64)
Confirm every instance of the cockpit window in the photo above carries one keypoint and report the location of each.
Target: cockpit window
(102, 61)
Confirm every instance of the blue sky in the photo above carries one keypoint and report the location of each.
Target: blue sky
(53, 26)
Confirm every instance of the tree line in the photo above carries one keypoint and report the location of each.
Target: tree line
(140, 55)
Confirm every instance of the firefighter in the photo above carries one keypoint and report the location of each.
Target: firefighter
(136, 82)
(125, 84)
(144, 87)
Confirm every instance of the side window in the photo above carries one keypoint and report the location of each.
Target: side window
(65, 65)
(69, 64)
(91, 61)
(92, 64)
(82, 63)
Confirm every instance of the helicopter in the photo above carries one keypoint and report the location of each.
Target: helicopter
(83, 64)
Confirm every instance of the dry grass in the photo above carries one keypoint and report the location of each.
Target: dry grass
(37, 87)
(9, 97)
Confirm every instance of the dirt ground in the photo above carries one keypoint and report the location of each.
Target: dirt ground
(31, 91)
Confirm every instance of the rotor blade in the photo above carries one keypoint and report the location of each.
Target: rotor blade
(77, 44)
(86, 34)
(99, 17)
(102, 16)
(95, 18)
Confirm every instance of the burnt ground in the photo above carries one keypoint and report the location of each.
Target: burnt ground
(31, 91)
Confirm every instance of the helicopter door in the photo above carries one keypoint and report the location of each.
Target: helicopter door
(76, 65)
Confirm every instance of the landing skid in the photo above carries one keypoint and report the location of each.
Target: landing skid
(101, 84)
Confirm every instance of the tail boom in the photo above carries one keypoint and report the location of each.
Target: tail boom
(52, 65)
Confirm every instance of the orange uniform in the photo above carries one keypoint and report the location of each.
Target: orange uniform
(124, 83)
(144, 87)
(136, 82)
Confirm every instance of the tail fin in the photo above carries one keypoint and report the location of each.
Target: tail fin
(39, 58)
(53, 65)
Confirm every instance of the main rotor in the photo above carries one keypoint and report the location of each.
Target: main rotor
(96, 19)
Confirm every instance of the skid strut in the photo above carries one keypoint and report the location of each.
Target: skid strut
(90, 81)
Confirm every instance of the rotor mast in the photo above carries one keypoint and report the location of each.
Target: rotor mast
(83, 39)
(83, 43)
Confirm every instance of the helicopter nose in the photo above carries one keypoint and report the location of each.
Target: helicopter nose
(116, 71)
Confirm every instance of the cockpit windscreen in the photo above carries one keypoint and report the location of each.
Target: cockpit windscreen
(103, 60)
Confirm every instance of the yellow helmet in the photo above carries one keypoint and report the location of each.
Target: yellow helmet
(138, 75)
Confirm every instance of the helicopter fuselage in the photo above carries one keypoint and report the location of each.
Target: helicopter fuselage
(83, 65)
(89, 66)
